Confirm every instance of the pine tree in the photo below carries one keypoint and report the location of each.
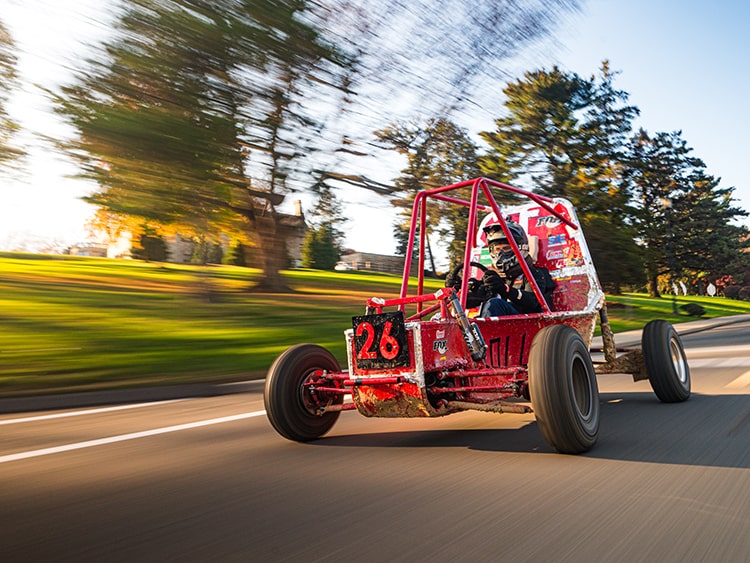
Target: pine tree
(319, 249)
(566, 136)
(684, 219)
(322, 246)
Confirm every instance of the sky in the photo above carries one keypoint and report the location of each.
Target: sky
(683, 62)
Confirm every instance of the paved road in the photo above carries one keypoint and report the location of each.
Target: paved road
(206, 478)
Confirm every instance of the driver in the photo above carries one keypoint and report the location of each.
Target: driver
(511, 293)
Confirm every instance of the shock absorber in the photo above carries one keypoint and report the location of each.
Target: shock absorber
(472, 336)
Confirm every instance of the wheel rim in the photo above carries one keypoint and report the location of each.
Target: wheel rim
(313, 401)
(678, 360)
(582, 387)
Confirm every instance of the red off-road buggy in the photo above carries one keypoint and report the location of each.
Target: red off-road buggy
(424, 355)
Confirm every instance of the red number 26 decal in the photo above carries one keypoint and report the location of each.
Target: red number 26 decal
(380, 340)
(388, 345)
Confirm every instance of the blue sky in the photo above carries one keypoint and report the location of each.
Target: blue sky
(684, 64)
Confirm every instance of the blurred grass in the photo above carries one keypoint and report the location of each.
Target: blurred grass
(73, 323)
(631, 311)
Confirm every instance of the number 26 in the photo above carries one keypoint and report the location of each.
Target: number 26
(388, 345)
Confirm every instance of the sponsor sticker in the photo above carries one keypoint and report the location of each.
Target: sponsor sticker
(557, 240)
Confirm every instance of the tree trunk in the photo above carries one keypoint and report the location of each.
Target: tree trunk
(271, 249)
(432, 258)
(653, 286)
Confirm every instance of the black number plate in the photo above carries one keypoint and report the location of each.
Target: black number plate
(380, 341)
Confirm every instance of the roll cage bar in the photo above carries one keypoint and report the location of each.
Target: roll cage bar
(483, 185)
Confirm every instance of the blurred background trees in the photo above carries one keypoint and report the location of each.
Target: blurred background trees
(684, 220)
(650, 212)
(565, 136)
(193, 117)
(204, 115)
(322, 248)
(10, 154)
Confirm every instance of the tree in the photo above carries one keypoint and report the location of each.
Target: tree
(194, 117)
(706, 218)
(319, 248)
(322, 245)
(206, 252)
(441, 55)
(204, 115)
(9, 154)
(437, 154)
(566, 136)
(432, 59)
(329, 211)
(684, 219)
(150, 247)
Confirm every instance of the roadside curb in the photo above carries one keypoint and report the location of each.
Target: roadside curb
(136, 395)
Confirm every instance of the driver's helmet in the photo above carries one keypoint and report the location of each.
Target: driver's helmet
(502, 255)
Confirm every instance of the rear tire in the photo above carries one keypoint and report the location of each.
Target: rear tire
(564, 392)
(291, 407)
(666, 364)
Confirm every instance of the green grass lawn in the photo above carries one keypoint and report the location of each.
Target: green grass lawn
(72, 323)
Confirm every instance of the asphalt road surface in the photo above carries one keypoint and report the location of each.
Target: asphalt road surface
(207, 479)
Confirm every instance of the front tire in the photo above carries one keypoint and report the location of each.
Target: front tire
(666, 363)
(564, 392)
(293, 409)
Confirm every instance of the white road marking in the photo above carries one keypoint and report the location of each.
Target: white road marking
(84, 412)
(722, 350)
(739, 382)
(125, 437)
(718, 362)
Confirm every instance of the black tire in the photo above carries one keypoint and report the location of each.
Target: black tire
(290, 406)
(564, 392)
(666, 364)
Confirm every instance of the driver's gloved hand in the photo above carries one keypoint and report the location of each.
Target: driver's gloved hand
(492, 281)
(453, 281)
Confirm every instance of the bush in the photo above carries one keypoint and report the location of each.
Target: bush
(319, 249)
(693, 309)
(151, 249)
(732, 292)
(236, 255)
(207, 253)
(744, 294)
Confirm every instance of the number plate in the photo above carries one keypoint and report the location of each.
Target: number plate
(380, 341)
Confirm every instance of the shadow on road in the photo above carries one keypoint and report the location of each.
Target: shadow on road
(707, 430)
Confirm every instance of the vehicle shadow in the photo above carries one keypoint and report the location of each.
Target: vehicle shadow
(707, 430)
